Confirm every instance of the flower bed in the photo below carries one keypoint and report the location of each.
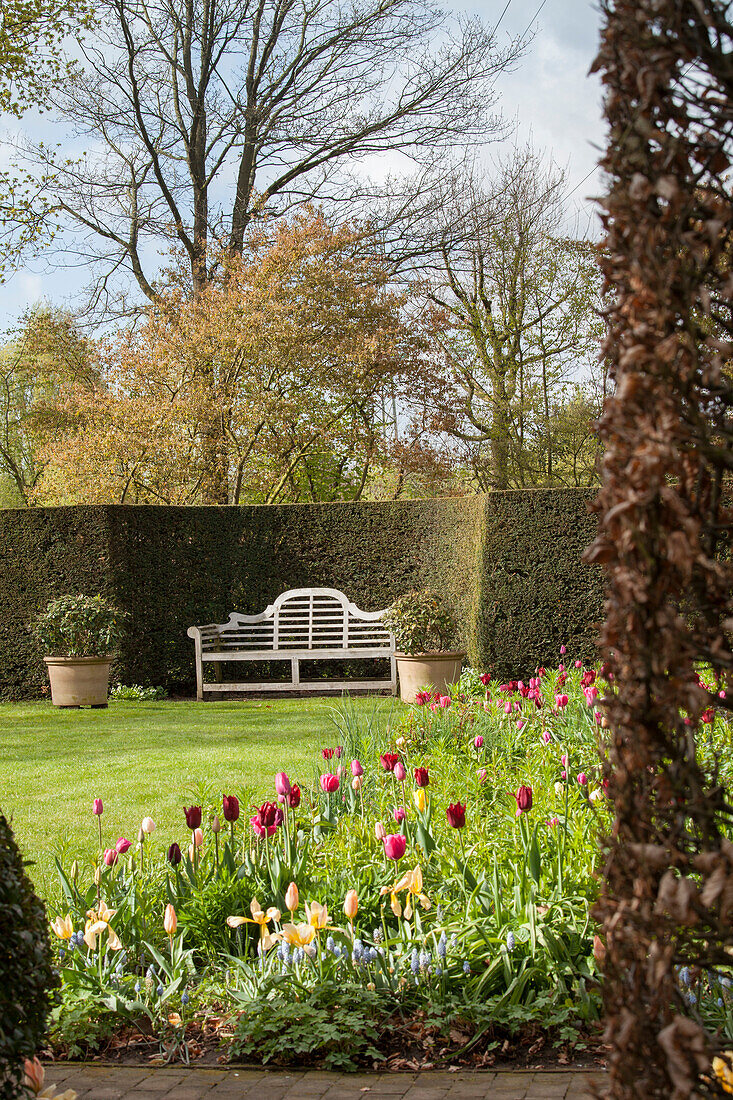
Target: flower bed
(427, 889)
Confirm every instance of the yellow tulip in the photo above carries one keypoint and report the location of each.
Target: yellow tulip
(97, 923)
(298, 935)
(63, 927)
(316, 914)
(412, 882)
(351, 904)
(170, 920)
(292, 898)
(421, 799)
(267, 938)
(724, 1073)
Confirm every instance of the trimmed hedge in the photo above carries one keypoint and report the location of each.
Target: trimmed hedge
(509, 563)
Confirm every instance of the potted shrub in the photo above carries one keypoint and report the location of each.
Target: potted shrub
(79, 634)
(426, 634)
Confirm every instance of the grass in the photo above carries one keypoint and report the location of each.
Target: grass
(146, 759)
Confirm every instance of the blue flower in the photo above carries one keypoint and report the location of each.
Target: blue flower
(454, 940)
(358, 950)
(184, 998)
(424, 960)
(377, 935)
(373, 954)
(160, 990)
(330, 944)
(691, 999)
(297, 955)
(62, 954)
(725, 982)
(442, 945)
(466, 967)
(719, 1002)
(438, 971)
(510, 941)
(137, 987)
(684, 975)
(415, 961)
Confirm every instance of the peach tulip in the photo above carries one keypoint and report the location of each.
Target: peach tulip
(198, 837)
(351, 904)
(148, 825)
(170, 920)
(291, 898)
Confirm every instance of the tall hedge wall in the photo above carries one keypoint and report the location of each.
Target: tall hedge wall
(509, 562)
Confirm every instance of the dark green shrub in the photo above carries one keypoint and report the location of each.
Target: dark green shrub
(26, 975)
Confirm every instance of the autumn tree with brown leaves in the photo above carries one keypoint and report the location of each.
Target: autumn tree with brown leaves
(664, 532)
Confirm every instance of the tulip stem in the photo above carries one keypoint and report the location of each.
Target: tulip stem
(99, 823)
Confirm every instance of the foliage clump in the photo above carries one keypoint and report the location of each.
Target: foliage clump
(26, 974)
(421, 624)
(80, 626)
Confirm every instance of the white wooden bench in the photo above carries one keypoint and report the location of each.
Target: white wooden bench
(302, 624)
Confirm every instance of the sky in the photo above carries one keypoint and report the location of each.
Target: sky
(549, 99)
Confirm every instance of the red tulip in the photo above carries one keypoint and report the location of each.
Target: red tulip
(174, 854)
(456, 814)
(123, 845)
(97, 807)
(326, 753)
(339, 751)
(356, 768)
(524, 799)
(329, 783)
(485, 678)
(561, 701)
(388, 760)
(293, 796)
(421, 777)
(395, 845)
(231, 807)
(193, 816)
(266, 820)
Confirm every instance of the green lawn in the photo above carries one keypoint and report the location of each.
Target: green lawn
(146, 759)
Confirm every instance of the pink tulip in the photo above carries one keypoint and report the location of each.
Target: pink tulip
(481, 773)
(563, 650)
(444, 701)
(97, 807)
(282, 784)
(478, 742)
(520, 723)
(356, 768)
(111, 856)
(553, 821)
(546, 735)
(399, 814)
(395, 845)
(329, 783)
(561, 701)
(507, 708)
(122, 845)
(400, 773)
(564, 760)
(582, 778)
(563, 774)
(578, 664)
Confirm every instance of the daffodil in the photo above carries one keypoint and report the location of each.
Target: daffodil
(63, 927)
(97, 923)
(298, 935)
(267, 938)
(316, 915)
(412, 882)
(724, 1073)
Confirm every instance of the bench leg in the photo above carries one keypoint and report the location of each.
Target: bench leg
(295, 671)
(393, 673)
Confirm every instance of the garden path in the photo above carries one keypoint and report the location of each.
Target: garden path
(178, 1083)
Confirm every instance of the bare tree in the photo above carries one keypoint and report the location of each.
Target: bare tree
(520, 295)
(198, 115)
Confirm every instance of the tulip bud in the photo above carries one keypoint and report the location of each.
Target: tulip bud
(74, 871)
(97, 807)
(481, 773)
(400, 773)
(123, 845)
(191, 852)
(148, 825)
(174, 854)
(140, 837)
(97, 876)
(216, 824)
(291, 898)
(110, 856)
(170, 920)
(282, 783)
(351, 904)
(198, 837)
(356, 769)
(400, 742)
(559, 789)
(379, 831)
(356, 783)
(399, 814)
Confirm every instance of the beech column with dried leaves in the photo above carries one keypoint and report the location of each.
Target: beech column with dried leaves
(664, 528)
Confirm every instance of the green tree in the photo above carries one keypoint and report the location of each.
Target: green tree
(31, 62)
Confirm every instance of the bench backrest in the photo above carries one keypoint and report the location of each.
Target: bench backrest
(301, 618)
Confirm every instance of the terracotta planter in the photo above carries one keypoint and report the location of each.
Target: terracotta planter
(418, 670)
(78, 681)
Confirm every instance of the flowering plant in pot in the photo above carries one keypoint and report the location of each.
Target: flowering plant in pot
(426, 634)
(79, 635)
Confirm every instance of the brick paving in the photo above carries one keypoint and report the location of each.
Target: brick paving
(93, 1082)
